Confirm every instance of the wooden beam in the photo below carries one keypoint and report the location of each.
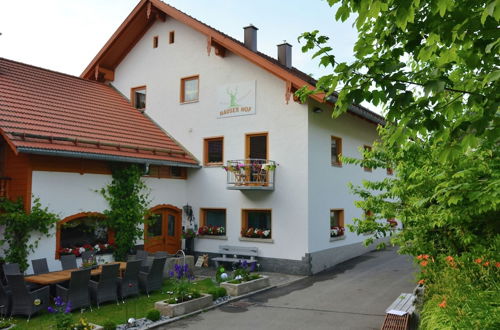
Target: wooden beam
(109, 75)
(209, 45)
(288, 91)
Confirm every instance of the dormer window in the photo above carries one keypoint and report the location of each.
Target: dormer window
(138, 97)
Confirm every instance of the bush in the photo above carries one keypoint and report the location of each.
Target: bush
(217, 292)
(109, 325)
(461, 292)
(5, 324)
(153, 315)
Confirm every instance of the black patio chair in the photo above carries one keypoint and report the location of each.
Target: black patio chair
(77, 292)
(40, 266)
(68, 261)
(11, 269)
(143, 256)
(128, 285)
(24, 301)
(153, 279)
(86, 255)
(5, 301)
(106, 288)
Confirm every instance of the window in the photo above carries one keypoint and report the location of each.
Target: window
(367, 148)
(212, 222)
(256, 223)
(171, 37)
(337, 223)
(256, 146)
(214, 151)
(138, 97)
(155, 225)
(83, 230)
(155, 42)
(336, 149)
(189, 89)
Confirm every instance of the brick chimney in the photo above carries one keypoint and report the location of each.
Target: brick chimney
(285, 54)
(251, 37)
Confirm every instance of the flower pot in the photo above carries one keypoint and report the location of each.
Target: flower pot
(235, 290)
(186, 307)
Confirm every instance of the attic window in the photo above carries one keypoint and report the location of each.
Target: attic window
(171, 37)
(138, 97)
(155, 42)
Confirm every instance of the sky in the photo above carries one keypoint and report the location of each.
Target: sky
(65, 35)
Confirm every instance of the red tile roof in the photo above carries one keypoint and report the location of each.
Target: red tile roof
(43, 111)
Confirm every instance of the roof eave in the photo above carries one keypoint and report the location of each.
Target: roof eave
(104, 157)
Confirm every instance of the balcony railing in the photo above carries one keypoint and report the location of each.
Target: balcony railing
(250, 174)
(4, 187)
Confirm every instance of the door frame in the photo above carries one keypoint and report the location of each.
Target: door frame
(178, 214)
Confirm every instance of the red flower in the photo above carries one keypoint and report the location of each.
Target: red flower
(421, 282)
(478, 260)
(76, 252)
(486, 264)
(442, 304)
(497, 264)
(423, 263)
(449, 258)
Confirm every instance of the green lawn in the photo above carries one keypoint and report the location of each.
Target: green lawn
(136, 307)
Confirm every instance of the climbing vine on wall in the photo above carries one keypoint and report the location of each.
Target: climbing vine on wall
(19, 226)
(128, 199)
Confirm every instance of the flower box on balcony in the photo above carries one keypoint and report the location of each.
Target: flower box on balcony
(235, 290)
(185, 307)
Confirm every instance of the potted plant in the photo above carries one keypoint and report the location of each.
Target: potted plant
(241, 281)
(184, 298)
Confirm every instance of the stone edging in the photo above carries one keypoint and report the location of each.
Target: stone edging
(225, 302)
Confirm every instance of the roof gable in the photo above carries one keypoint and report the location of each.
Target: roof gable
(148, 11)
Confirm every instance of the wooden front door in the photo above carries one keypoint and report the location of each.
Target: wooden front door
(162, 231)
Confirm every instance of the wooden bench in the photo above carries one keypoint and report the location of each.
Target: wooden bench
(399, 313)
(236, 254)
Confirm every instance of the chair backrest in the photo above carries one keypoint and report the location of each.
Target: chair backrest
(4, 298)
(79, 280)
(141, 255)
(11, 269)
(17, 286)
(132, 270)
(109, 272)
(68, 261)
(40, 266)
(86, 255)
(157, 267)
(160, 254)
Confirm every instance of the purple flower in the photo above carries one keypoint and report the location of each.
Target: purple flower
(186, 268)
(244, 264)
(252, 266)
(51, 310)
(58, 301)
(171, 273)
(68, 308)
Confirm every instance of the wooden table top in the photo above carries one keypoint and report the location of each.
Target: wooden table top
(65, 275)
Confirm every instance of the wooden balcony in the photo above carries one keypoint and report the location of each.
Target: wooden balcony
(4, 187)
(250, 174)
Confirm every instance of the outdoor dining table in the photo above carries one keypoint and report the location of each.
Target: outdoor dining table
(65, 275)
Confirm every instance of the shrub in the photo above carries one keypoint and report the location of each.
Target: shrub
(461, 292)
(221, 292)
(153, 315)
(109, 325)
(5, 324)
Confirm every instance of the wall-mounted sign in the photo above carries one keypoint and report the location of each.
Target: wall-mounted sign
(236, 99)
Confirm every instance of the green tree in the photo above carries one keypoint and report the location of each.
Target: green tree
(128, 201)
(434, 66)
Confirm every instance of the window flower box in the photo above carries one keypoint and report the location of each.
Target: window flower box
(239, 289)
(212, 231)
(337, 231)
(185, 307)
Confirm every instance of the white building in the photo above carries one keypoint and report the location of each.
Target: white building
(225, 104)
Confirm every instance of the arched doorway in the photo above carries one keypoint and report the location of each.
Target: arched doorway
(163, 229)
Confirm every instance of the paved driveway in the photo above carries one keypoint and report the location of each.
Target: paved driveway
(354, 295)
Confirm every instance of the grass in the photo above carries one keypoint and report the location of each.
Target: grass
(136, 307)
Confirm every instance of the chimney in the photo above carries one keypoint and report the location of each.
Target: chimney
(251, 37)
(285, 54)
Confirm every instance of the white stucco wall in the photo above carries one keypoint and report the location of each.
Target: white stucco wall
(70, 193)
(162, 68)
(328, 184)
